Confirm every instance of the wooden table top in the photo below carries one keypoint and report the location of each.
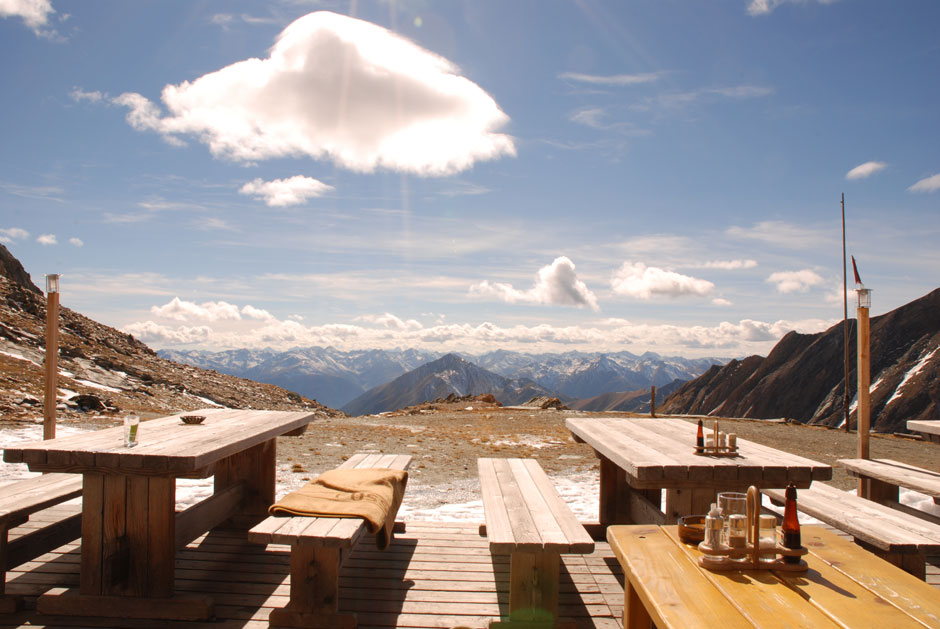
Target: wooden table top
(166, 446)
(845, 586)
(929, 426)
(660, 453)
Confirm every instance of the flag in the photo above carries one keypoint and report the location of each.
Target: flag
(858, 280)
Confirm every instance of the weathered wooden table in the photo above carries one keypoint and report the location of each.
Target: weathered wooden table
(845, 586)
(929, 428)
(640, 458)
(130, 527)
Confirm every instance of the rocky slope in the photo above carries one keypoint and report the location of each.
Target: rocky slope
(802, 377)
(102, 370)
(438, 379)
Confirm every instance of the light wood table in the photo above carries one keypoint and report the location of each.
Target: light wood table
(845, 586)
(130, 528)
(640, 458)
(929, 428)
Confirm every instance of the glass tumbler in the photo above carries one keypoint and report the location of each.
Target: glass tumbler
(731, 503)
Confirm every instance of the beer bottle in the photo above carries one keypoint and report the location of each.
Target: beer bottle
(700, 437)
(791, 524)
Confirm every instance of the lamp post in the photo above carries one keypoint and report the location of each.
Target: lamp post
(864, 380)
(52, 354)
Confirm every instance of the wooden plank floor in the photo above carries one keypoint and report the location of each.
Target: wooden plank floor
(435, 574)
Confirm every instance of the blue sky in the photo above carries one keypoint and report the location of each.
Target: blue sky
(637, 175)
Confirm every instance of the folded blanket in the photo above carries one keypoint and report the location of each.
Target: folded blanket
(371, 494)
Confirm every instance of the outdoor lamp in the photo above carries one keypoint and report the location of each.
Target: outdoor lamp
(52, 283)
(864, 297)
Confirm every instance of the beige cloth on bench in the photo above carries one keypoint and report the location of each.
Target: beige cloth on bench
(371, 494)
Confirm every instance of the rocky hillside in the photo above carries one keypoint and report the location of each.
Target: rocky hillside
(102, 370)
(447, 375)
(802, 377)
(627, 401)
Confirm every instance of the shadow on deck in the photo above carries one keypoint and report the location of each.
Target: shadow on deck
(435, 574)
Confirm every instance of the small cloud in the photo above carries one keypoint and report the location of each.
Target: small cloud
(765, 7)
(863, 171)
(780, 233)
(13, 233)
(719, 301)
(637, 280)
(729, 265)
(209, 311)
(257, 313)
(928, 184)
(614, 79)
(153, 333)
(34, 13)
(795, 281)
(79, 95)
(556, 284)
(76, 242)
(391, 322)
(285, 192)
(47, 239)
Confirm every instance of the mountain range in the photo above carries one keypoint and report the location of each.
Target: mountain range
(802, 378)
(335, 378)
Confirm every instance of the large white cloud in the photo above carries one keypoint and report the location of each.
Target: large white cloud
(795, 281)
(637, 280)
(339, 88)
(285, 192)
(863, 171)
(180, 310)
(555, 284)
(927, 184)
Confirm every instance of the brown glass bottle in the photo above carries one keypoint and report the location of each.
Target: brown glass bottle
(791, 524)
(700, 437)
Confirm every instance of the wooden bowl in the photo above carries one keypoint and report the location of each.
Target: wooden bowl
(692, 529)
(192, 419)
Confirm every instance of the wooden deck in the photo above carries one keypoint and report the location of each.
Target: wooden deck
(435, 574)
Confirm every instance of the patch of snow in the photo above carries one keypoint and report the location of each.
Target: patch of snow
(19, 357)
(206, 400)
(913, 371)
(527, 440)
(95, 385)
(66, 394)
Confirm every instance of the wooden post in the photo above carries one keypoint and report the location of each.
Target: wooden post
(846, 398)
(864, 385)
(52, 355)
(652, 401)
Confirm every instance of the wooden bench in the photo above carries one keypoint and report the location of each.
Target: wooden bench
(318, 548)
(901, 539)
(884, 476)
(18, 501)
(527, 519)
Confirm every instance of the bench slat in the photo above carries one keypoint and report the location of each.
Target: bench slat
(33, 494)
(498, 528)
(869, 521)
(895, 473)
(577, 537)
(540, 505)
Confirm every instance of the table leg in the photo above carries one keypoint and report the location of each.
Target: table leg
(128, 553)
(613, 483)
(680, 502)
(635, 615)
(257, 468)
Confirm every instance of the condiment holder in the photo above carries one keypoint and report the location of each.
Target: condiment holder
(720, 444)
(750, 555)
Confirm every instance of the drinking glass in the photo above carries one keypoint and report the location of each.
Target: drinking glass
(131, 422)
(730, 503)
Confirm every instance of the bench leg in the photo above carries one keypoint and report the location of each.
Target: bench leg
(533, 591)
(8, 604)
(314, 591)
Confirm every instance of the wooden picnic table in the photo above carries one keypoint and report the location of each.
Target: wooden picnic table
(642, 457)
(845, 586)
(130, 527)
(929, 428)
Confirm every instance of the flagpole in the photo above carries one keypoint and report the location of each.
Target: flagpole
(845, 325)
